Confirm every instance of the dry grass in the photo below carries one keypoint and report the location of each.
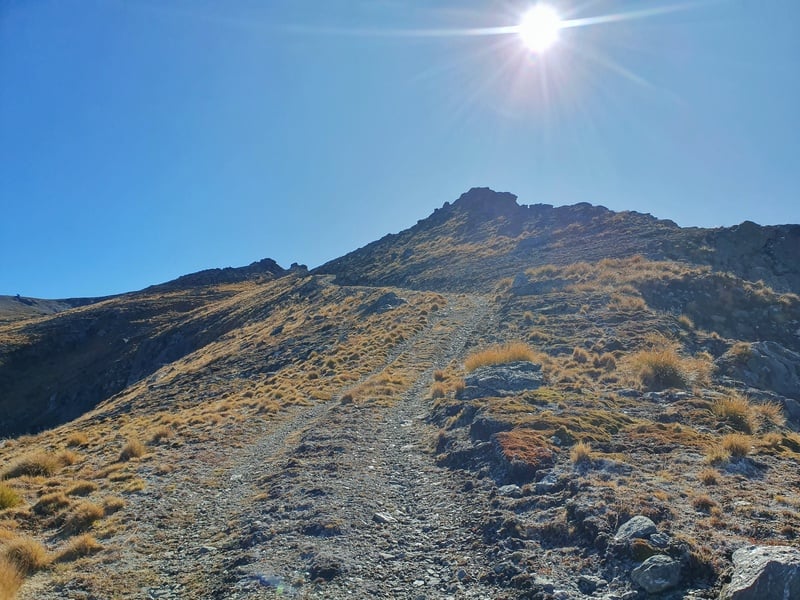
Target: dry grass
(82, 516)
(50, 504)
(497, 355)
(82, 488)
(133, 448)
(9, 497)
(112, 504)
(660, 368)
(708, 476)
(27, 555)
(581, 453)
(78, 547)
(77, 438)
(438, 390)
(161, 434)
(770, 413)
(737, 445)
(37, 464)
(737, 411)
(10, 579)
(703, 503)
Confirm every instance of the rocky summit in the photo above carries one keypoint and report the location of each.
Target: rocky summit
(503, 401)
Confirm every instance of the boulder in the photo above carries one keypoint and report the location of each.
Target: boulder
(637, 527)
(507, 379)
(768, 366)
(764, 573)
(657, 573)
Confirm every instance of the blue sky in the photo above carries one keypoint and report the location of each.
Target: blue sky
(145, 139)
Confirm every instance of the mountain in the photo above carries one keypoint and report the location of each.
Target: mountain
(502, 401)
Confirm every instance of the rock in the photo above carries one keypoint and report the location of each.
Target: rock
(384, 303)
(637, 527)
(589, 583)
(502, 380)
(764, 573)
(657, 573)
(767, 365)
(384, 518)
(511, 490)
(324, 567)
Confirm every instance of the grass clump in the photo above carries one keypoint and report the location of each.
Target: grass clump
(438, 390)
(581, 453)
(10, 579)
(708, 477)
(160, 434)
(133, 448)
(27, 555)
(38, 464)
(76, 439)
(82, 488)
(50, 504)
(78, 547)
(501, 354)
(736, 444)
(9, 497)
(737, 411)
(82, 516)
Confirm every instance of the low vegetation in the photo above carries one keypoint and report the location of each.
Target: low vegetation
(500, 354)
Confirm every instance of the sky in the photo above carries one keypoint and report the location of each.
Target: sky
(145, 139)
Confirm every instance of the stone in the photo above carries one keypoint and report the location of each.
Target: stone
(383, 518)
(764, 573)
(657, 573)
(510, 490)
(502, 380)
(768, 366)
(637, 527)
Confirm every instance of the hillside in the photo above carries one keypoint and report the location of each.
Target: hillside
(500, 402)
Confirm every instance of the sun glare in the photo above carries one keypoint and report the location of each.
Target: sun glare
(539, 28)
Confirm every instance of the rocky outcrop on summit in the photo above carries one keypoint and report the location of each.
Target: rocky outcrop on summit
(262, 270)
(485, 235)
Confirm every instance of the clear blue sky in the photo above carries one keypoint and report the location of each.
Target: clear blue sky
(144, 139)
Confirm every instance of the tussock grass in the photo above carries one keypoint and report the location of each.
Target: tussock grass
(581, 453)
(133, 448)
(663, 368)
(82, 516)
(10, 579)
(708, 476)
(438, 390)
(77, 438)
(37, 464)
(78, 547)
(161, 434)
(27, 555)
(9, 497)
(770, 413)
(737, 411)
(50, 504)
(737, 445)
(501, 354)
(82, 488)
(112, 504)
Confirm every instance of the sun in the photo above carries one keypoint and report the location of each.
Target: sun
(539, 28)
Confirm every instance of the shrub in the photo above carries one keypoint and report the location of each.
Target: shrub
(581, 453)
(78, 547)
(501, 354)
(39, 464)
(737, 411)
(26, 554)
(133, 448)
(10, 579)
(9, 497)
(736, 444)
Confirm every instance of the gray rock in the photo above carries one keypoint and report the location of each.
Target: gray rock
(637, 527)
(768, 366)
(502, 380)
(384, 518)
(511, 490)
(589, 583)
(657, 573)
(764, 573)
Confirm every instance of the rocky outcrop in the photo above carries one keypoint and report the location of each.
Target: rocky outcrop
(764, 365)
(764, 573)
(657, 574)
(502, 380)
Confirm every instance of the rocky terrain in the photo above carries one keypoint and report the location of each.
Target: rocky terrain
(500, 402)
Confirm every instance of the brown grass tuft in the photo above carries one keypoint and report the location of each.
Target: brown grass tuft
(708, 476)
(50, 504)
(82, 488)
(77, 438)
(581, 453)
(78, 547)
(112, 504)
(9, 497)
(438, 390)
(10, 579)
(497, 355)
(736, 444)
(737, 411)
(38, 464)
(82, 516)
(133, 448)
(161, 434)
(27, 555)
